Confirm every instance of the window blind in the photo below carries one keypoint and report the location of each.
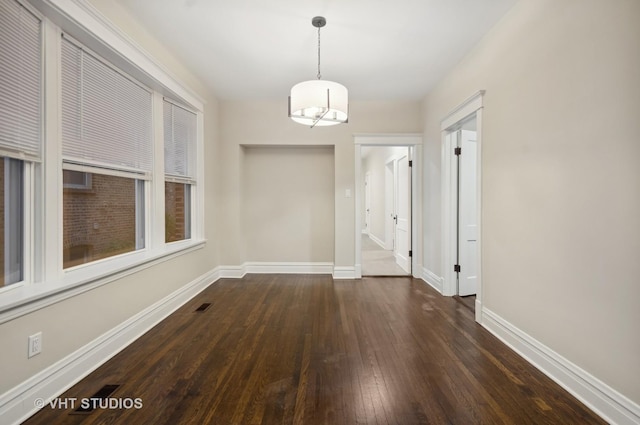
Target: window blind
(106, 117)
(180, 132)
(20, 81)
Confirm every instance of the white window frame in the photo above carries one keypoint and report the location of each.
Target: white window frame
(188, 181)
(45, 281)
(142, 187)
(27, 226)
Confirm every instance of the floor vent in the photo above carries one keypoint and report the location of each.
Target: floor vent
(88, 405)
(203, 307)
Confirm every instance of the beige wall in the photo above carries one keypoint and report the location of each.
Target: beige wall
(68, 325)
(288, 203)
(273, 127)
(561, 178)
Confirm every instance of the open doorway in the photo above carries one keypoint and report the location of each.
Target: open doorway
(411, 145)
(461, 132)
(464, 140)
(386, 231)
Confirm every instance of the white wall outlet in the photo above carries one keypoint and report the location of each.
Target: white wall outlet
(35, 344)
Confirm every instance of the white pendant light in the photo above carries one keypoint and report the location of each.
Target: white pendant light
(319, 102)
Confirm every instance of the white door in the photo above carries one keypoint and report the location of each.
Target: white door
(403, 214)
(389, 205)
(467, 214)
(367, 203)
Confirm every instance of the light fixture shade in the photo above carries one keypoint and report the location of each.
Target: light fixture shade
(319, 102)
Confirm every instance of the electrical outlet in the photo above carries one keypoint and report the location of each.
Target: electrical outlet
(35, 344)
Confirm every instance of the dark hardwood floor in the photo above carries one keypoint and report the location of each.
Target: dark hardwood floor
(468, 301)
(305, 349)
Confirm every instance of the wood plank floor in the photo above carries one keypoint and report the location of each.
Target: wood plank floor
(305, 349)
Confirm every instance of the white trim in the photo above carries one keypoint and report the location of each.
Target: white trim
(48, 236)
(472, 105)
(479, 145)
(288, 268)
(29, 298)
(432, 279)
(345, 272)
(197, 201)
(156, 225)
(612, 406)
(449, 206)
(89, 167)
(238, 272)
(17, 404)
(463, 110)
(388, 139)
(478, 310)
(231, 272)
(377, 240)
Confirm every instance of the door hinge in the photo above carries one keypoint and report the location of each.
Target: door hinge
(456, 268)
(457, 151)
(410, 253)
(410, 163)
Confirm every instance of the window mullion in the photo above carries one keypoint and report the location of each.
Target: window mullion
(51, 176)
(197, 191)
(156, 235)
(29, 229)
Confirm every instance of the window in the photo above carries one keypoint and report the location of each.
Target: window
(107, 158)
(177, 202)
(180, 133)
(102, 221)
(20, 120)
(11, 221)
(84, 209)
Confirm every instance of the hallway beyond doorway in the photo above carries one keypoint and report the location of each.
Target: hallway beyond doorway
(377, 261)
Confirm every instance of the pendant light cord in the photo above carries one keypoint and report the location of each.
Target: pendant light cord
(319, 75)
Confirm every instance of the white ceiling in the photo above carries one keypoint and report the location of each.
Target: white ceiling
(379, 49)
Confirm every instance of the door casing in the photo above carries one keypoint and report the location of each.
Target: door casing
(453, 121)
(414, 142)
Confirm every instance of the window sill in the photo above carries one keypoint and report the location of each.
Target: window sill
(27, 298)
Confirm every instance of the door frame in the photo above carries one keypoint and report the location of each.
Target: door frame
(471, 106)
(397, 204)
(414, 142)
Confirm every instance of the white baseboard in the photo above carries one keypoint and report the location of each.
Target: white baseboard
(288, 268)
(612, 406)
(230, 272)
(17, 404)
(478, 309)
(377, 240)
(344, 272)
(432, 279)
(338, 272)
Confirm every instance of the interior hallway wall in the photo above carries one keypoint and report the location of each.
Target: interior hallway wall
(274, 128)
(560, 178)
